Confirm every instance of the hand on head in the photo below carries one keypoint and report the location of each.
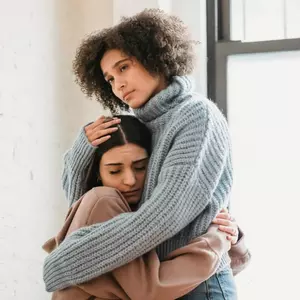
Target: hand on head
(99, 131)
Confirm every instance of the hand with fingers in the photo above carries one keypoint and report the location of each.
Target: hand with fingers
(99, 131)
(228, 225)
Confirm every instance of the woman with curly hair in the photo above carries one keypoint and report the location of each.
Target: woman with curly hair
(143, 63)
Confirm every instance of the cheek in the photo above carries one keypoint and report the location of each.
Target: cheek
(141, 178)
(116, 92)
(109, 180)
(150, 87)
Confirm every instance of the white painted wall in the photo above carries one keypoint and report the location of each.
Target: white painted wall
(193, 13)
(131, 7)
(41, 110)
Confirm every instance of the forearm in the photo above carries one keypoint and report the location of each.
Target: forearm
(184, 269)
(239, 254)
(184, 191)
(127, 236)
(77, 161)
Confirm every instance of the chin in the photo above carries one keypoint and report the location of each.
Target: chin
(133, 200)
(134, 105)
(137, 103)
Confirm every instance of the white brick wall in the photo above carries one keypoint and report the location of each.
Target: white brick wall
(41, 110)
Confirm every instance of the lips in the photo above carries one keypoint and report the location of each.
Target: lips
(127, 94)
(131, 193)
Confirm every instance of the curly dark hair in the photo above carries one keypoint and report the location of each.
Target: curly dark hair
(160, 42)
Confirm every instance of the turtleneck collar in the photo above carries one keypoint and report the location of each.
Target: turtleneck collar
(166, 99)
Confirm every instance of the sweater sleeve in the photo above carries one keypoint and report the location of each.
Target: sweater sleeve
(77, 161)
(182, 271)
(239, 254)
(188, 178)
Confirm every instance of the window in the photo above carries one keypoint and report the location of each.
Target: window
(256, 20)
(253, 67)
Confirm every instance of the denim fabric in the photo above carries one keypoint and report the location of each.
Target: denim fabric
(220, 286)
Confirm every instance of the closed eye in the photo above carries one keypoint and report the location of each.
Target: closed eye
(114, 172)
(140, 168)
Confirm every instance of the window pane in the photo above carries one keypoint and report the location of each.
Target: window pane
(237, 20)
(257, 20)
(263, 114)
(293, 18)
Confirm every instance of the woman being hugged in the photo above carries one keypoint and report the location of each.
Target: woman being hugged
(116, 181)
(143, 63)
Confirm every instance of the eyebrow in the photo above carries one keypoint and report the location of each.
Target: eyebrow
(119, 164)
(115, 65)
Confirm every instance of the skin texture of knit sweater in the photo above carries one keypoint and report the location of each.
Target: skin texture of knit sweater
(189, 180)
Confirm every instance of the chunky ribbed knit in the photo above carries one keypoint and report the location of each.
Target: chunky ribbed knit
(189, 180)
(77, 162)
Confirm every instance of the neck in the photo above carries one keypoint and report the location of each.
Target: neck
(134, 207)
(162, 84)
(171, 94)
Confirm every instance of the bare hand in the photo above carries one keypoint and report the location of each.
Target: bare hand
(228, 225)
(98, 132)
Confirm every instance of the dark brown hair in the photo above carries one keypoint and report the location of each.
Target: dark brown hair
(160, 42)
(131, 130)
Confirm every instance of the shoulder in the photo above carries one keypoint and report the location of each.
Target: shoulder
(96, 202)
(93, 196)
(101, 192)
(198, 113)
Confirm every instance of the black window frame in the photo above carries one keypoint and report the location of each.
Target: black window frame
(220, 47)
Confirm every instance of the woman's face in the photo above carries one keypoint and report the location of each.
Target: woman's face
(129, 80)
(124, 168)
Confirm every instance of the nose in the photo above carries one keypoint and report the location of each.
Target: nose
(120, 84)
(129, 178)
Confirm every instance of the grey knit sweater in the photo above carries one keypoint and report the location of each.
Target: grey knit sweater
(189, 181)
